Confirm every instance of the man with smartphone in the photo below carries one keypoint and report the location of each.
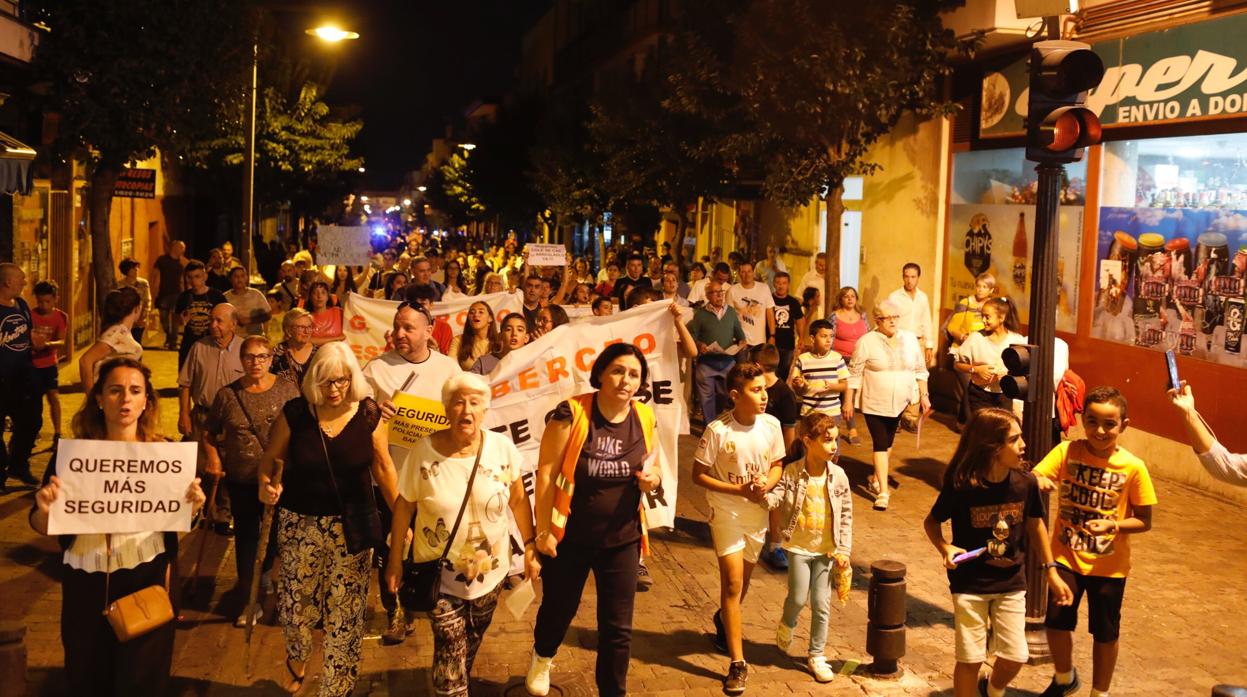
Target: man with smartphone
(1215, 457)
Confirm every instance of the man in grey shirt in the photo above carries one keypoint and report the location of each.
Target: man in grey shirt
(212, 363)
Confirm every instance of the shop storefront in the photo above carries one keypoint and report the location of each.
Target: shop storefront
(1153, 222)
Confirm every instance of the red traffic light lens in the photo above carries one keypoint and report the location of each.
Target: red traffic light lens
(1072, 127)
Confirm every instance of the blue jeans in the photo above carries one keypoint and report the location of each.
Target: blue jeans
(710, 380)
(809, 578)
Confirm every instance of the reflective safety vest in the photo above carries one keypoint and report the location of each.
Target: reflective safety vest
(565, 480)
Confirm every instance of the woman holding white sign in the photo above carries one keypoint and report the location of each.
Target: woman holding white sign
(120, 407)
(459, 483)
(597, 458)
(334, 446)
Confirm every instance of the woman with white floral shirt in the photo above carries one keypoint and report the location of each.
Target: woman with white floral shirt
(433, 486)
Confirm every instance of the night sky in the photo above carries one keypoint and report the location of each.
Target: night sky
(417, 65)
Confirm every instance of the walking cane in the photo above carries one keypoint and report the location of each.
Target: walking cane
(204, 524)
(266, 524)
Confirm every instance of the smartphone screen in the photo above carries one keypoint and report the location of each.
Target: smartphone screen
(1171, 362)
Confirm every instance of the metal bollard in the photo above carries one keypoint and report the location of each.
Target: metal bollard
(12, 659)
(1229, 691)
(885, 628)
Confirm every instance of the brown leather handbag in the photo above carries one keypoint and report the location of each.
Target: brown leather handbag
(140, 612)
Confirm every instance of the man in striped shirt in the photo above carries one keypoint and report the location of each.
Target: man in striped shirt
(820, 375)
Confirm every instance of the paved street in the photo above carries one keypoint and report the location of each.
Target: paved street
(1183, 607)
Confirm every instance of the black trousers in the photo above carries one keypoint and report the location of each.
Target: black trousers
(381, 553)
(248, 513)
(24, 406)
(95, 662)
(980, 399)
(563, 582)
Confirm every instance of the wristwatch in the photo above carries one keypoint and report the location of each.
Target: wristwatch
(1052, 565)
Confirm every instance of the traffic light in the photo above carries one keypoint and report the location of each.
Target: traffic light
(1020, 362)
(1058, 123)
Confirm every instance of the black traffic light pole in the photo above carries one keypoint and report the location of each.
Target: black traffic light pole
(1037, 417)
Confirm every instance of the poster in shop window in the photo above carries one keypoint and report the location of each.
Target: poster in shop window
(1173, 279)
(999, 239)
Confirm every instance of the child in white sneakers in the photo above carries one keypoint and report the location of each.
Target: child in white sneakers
(816, 510)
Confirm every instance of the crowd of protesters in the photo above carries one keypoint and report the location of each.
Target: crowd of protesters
(286, 417)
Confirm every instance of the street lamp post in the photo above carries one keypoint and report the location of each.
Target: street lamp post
(327, 33)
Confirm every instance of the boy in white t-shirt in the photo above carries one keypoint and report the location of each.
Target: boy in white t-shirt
(739, 459)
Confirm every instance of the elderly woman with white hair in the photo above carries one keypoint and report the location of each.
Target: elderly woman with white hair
(334, 446)
(459, 483)
(888, 372)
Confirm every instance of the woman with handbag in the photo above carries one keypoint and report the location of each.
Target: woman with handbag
(235, 435)
(459, 483)
(107, 568)
(334, 446)
(596, 460)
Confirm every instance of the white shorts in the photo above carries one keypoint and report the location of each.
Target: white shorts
(1005, 613)
(733, 531)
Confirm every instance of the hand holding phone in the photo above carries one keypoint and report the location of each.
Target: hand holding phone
(1171, 363)
(967, 556)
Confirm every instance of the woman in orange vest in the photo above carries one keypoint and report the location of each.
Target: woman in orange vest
(597, 458)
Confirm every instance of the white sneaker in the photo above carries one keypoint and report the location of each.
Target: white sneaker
(821, 668)
(881, 502)
(538, 679)
(783, 636)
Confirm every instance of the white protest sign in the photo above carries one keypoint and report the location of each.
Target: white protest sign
(338, 244)
(531, 381)
(547, 255)
(115, 487)
(366, 320)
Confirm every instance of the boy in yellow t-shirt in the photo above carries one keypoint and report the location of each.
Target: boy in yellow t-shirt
(1105, 496)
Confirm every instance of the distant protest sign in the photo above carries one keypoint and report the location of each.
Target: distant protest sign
(547, 255)
(338, 244)
(115, 487)
(414, 418)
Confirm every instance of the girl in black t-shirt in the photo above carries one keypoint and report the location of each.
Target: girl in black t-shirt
(996, 510)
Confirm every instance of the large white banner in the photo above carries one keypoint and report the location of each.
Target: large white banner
(114, 487)
(530, 382)
(366, 320)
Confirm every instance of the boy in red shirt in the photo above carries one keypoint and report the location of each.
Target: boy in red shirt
(48, 335)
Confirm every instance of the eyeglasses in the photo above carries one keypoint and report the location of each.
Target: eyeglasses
(301, 328)
(256, 357)
(338, 384)
(888, 318)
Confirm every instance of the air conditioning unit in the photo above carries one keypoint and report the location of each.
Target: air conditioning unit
(1045, 8)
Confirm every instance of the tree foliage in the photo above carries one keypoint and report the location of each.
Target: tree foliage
(130, 77)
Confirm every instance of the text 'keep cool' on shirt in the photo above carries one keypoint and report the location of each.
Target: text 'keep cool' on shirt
(605, 508)
(993, 516)
(735, 453)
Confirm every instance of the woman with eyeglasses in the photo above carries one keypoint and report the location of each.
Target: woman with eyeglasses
(334, 446)
(291, 356)
(887, 373)
(434, 488)
(236, 433)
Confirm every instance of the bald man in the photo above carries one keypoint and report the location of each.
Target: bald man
(19, 400)
(212, 363)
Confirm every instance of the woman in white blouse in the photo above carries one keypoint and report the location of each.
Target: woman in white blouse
(887, 372)
(120, 407)
(122, 309)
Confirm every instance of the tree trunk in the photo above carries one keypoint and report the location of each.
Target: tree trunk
(100, 204)
(835, 212)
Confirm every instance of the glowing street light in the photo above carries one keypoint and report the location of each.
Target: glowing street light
(327, 33)
(422, 189)
(331, 33)
(406, 202)
(361, 170)
(468, 146)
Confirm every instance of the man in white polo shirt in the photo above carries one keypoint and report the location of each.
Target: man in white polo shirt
(411, 367)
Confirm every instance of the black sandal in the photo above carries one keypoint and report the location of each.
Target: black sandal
(295, 679)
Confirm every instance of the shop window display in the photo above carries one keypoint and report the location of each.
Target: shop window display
(992, 229)
(1172, 246)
